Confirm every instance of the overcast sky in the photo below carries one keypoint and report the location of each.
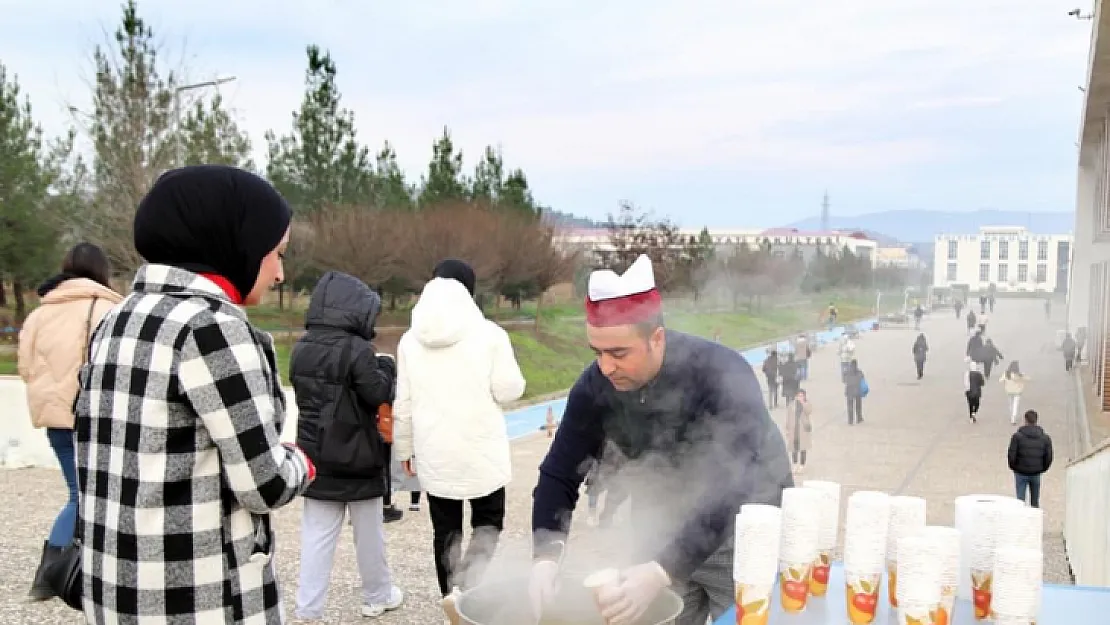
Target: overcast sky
(726, 113)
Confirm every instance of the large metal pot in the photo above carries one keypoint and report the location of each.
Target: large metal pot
(506, 602)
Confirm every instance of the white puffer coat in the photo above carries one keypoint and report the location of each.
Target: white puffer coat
(454, 368)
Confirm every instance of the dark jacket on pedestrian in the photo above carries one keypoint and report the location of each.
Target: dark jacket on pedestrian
(989, 353)
(788, 371)
(920, 348)
(975, 348)
(1030, 450)
(853, 382)
(971, 319)
(1068, 347)
(771, 368)
(338, 401)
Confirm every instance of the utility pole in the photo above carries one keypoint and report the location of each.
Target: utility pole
(825, 212)
(179, 145)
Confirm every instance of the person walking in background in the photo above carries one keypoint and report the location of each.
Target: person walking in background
(847, 352)
(833, 314)
(791, 378)
(1013, 381)
(920, 349)
(1068, 349)
(974, 350)
(179, 416)
(1080, 342)
(1029, 456)
(959, 306)
(801, 356)
(52, 346)
(340, 383)
(455, 369)
(990, 302)
(973, 389)
(971, 322)
(855, 388)
(989, 356)
(798, 431)
(982, 304)
(1048, 309)
(771, 372)
(918, 314)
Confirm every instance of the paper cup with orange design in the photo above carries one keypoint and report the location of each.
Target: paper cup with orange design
(794, 586)
(862, 596)
(917, 614)
(753, 604)
(819, 576)
(981, 582)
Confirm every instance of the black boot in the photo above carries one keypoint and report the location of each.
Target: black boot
(391, 514)
(40, 590)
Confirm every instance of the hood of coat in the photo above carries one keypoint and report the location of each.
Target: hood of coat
(1031, 431)
(343, 302)
(444, 314)
(74, 289)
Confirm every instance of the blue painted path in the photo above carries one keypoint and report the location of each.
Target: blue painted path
(528, 420)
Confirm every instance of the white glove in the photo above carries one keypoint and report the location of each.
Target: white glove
(640, 586)
(543, 584)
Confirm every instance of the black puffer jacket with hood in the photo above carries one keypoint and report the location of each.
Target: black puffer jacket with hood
(341, 315)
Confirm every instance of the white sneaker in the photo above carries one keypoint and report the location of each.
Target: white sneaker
(396, 598)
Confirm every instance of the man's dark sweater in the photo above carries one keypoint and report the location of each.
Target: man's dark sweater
(701, 426)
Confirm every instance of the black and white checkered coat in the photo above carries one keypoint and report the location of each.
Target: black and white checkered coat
(179, 461)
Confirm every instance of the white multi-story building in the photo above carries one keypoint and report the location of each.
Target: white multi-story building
(1009, 257)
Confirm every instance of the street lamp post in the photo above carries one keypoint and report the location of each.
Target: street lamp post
(179, 156)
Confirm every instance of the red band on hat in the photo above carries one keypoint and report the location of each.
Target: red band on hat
(621, 311)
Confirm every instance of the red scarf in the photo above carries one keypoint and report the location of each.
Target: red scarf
(227, 287)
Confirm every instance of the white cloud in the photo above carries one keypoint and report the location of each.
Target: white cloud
(567, 87)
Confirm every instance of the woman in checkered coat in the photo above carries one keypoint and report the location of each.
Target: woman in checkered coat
(178, 456)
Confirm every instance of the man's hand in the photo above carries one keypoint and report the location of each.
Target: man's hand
(407, 466)
(543, 585)
(639, 587)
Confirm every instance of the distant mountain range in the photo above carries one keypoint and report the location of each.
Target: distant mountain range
(921, 226)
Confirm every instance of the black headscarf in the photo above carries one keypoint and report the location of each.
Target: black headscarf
(455, 269)
(212, 219)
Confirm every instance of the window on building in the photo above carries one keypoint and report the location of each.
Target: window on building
(953, 250)
(1042, 250)
(984, 250)
(1023, 273)
(1042, 273)
(1023, 250)
(1003, 250)
(951, 272)
(1003, 273)
(984, 272)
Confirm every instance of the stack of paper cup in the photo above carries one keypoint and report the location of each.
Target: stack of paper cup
(987, 516)
(964, 521)
(756, 561)
(947, 541)
(1017, 581)
(865, 532)
(798, 546)
(919, 581)
(907, 517)
(828, 529)
(1021, 526)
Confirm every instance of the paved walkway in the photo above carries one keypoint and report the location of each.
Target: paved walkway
(916, 440)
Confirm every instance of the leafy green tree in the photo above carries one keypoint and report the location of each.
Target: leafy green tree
(28, 168)
(142, 123)
(391, 189)
(211, 136)
(444, 181)
(320, 163)
(489, 177)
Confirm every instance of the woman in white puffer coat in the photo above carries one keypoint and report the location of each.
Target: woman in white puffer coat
(454, 370)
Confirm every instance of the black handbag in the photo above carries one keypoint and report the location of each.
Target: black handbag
(63, 575)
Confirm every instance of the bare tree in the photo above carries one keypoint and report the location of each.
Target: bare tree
(360, 241)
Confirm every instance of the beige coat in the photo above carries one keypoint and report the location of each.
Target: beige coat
(1014, 385)
(807, 427)
(52, 345)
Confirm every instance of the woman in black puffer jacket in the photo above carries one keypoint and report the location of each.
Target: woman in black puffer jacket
(340, 383)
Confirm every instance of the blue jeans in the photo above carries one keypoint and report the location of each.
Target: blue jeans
(1033, 482)
(61, 441)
